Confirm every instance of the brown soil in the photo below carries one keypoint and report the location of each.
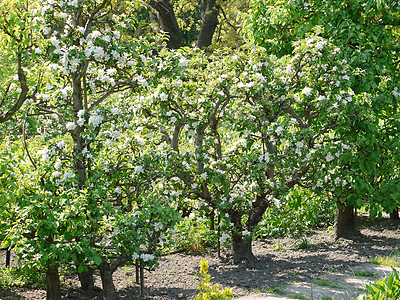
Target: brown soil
(279, 261)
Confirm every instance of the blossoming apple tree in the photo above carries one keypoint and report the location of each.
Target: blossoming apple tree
(89, 193)
(367, 33)
(246, 127)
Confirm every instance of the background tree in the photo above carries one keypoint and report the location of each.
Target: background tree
(20, 67)
(186, 22)
(359, 29)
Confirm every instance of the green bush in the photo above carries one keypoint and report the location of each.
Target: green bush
(386, 288)
(8, 278)
(194, 234)
(297, 214)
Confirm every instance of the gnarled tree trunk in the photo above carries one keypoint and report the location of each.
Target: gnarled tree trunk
(241, 247)
(107, 282)
(345, 221)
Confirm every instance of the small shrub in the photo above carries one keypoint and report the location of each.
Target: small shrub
(385, 289)
(208, 292)
(194, 235)
(297, 214)
(9, 278)
(302, 244)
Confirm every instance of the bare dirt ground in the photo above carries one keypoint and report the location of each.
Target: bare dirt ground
(279, 262)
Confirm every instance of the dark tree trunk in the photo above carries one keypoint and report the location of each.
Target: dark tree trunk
(212, 220)
(86, 280)
(241, 248)
(53, 291)
(394, 215)
(209, 14)
(107, 282)
(345, 221)
(162, 16)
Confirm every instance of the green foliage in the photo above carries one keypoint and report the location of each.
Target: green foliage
(372, 130)
(9, 278)
(193, 233)
(387, 288)
(297, 214)
(208, 292)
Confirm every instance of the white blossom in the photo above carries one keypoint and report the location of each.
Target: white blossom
(163, 97)
(95, 119)
(146, 257)
(115, 111)
(183, 62)
(329, 157)
(245, 233)
(45, 154)
(138, 169)
(56, 174)
(224, 237)
(158, 226)
(279, 130)
(57, 165)
(306, 91)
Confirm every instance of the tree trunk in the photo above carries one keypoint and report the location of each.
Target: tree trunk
(163, 18)
(210, 22)
(345, 221)
(394, 215)
(107, 282)
(53, 291)
(241, 249)
(86, 280)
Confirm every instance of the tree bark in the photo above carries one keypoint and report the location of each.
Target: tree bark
(107, 282)
(394, 215)
(241, 248)
(209, 14)
(163, 18)
(53, 291)
(86, 280)
(345, 221)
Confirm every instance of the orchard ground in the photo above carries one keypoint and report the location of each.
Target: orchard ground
(286, 267)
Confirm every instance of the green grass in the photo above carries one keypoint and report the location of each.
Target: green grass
(364, 273)
(327, 283)
(326, 298)
(301, 297)
(391, 260)
(279, 290)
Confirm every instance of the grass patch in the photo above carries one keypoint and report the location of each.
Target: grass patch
(279, 290)
(327, 283)
(326, 298)
(299, 297)
(364, 273)
(391, 260)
